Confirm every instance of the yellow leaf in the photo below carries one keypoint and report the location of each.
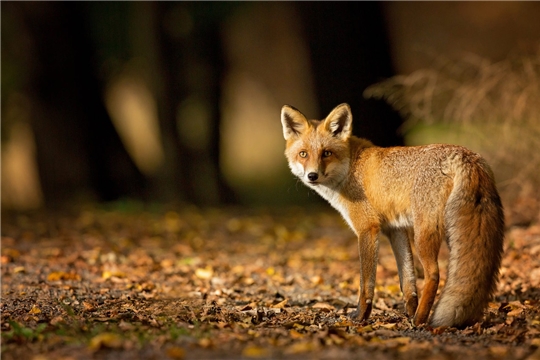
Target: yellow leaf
(34, 310)
(364, 329)
(176, 352)
(19, 269)
(513, 305)
(389, 326)
(205, 273)
(280, 305)
(253, 351)
(393, 289)
(270, 271)
(107, 274)
(61, 275)
(109, 340)
(205, 342)
(295, 334)
(300, 347)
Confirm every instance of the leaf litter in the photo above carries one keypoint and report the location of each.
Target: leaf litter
(232, 283)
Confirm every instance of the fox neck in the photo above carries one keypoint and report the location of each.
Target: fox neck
(335, 196)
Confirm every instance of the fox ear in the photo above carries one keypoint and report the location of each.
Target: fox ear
(293, 121)
(339, 122)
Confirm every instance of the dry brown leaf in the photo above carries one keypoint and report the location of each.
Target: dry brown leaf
(280, 305)
(364, 329)
(56, 320)
(87, 306)
(176, 352)
(323, 305)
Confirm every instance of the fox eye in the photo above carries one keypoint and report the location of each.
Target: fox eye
(303, 154)
(326, 153)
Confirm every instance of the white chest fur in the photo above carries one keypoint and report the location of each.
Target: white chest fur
(334, 198)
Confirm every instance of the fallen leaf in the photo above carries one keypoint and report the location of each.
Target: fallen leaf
(204, 273)
(107, 340)
(324, 306)
(88, 306)
(280, 305)
(61, 275)
(176, 352)
(19, 269)
(364, 329)
(205, 342)
(515, 312)
(34, 310)
(56, 320)
(253, 351)
(300, 347)
(107, 274)
(295, 334)
(344, 323)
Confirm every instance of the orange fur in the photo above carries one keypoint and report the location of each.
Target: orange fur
(430, 193)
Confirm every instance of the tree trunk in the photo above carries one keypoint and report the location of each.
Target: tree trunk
(349, 52)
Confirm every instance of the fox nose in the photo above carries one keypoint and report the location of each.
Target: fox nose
(312, 176)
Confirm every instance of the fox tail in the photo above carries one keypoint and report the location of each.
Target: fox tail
(474, 223)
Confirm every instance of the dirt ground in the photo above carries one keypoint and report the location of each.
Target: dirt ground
(230, 283)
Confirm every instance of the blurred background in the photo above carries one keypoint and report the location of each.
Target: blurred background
(179, 102)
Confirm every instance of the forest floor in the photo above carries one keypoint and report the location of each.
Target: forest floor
(191, 283)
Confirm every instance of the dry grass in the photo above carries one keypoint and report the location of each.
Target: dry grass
(498, 103)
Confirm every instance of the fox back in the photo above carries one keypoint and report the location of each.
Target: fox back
(421, 195)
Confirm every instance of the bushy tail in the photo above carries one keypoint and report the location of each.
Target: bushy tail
(474, 223)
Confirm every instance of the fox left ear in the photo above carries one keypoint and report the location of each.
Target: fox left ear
(293, 121)
(339, 122)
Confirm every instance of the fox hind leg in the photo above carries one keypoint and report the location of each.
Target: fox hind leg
(427, 245)
(401, 246)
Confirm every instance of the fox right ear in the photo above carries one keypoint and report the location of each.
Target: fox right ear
(293, 121)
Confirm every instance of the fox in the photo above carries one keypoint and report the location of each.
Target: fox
(415, 196)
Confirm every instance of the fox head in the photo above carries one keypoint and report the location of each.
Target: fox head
(318, 150)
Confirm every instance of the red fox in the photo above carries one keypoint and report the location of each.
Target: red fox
(412, 194)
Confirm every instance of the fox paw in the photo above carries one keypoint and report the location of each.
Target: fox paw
(362, 312)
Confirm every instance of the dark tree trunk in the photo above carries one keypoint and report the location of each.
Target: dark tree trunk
(79, 152)
(193, 68)
(349, 51)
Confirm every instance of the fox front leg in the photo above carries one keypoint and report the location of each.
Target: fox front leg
(368, 244)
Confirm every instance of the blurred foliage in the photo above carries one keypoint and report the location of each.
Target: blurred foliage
(492, 107)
